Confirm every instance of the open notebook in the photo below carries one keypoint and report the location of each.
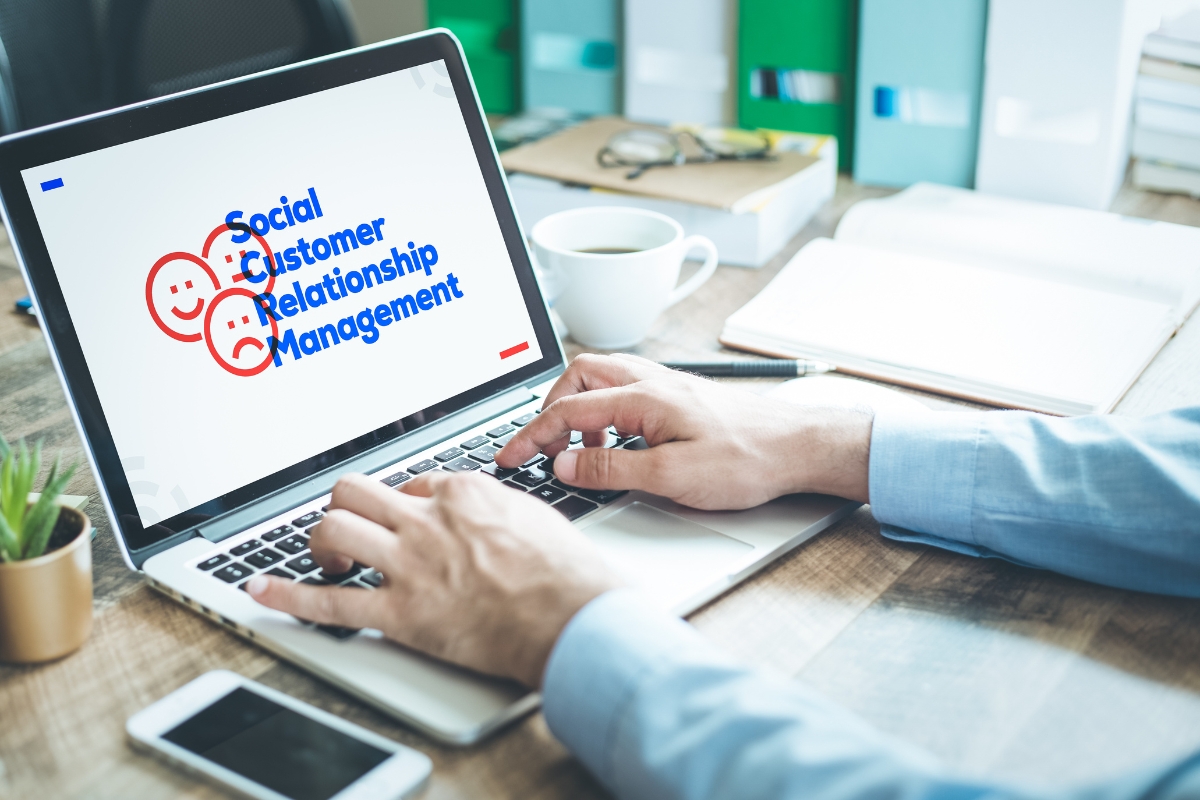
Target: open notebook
(1008, 302)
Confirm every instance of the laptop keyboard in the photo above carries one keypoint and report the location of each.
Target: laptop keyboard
(284, 553)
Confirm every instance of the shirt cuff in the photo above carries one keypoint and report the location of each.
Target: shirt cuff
(922, 472)
(611, 647)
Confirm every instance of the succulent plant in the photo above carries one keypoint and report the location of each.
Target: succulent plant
(24, 529)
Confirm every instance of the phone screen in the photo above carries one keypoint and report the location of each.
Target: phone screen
(272, 745)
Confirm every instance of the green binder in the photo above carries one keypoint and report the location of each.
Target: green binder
(796, 68)
(489, 34)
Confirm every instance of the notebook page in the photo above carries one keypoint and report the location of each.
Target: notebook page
(1157, 261)
(856, 306)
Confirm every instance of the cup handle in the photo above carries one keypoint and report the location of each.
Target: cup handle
(705, 272)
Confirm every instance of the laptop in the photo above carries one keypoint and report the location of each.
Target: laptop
(253, 288)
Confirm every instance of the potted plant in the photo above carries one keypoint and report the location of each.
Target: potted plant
(45, 562)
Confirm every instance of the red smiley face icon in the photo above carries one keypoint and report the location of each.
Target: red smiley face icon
(177, 289)
(235, 336)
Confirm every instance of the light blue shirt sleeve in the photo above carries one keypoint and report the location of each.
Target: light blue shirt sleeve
(1110, 499)
(654, 711)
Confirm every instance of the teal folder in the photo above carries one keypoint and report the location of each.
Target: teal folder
(920, 80)
(569, 55)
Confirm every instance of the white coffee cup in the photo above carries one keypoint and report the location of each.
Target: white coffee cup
(611, 271)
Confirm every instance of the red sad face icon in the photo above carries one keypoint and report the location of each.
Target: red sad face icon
(235, 336)
(178, 288)
(248, 263)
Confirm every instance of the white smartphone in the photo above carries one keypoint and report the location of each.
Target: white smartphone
(269, 746)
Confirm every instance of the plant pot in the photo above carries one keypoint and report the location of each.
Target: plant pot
(46, 602)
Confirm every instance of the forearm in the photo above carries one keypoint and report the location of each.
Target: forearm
(1109, 499)
(655, 712)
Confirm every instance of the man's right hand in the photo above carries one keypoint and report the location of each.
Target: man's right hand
(711, 446)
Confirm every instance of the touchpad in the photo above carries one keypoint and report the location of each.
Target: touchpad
(668, 557)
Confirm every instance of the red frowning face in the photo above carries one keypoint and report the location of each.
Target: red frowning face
(235, 335)
(178, 289)
(245, 263)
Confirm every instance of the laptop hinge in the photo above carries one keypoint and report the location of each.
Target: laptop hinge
(372, 461)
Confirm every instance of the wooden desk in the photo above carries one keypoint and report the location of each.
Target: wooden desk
(1000, 671)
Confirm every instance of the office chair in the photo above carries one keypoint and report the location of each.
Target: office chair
(163, 46)
(50, 62)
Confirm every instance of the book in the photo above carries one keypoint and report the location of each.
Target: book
(1171, 71)
(1009, 302)
(1171, 148)
(1169, 117)
(796, 61)
(570, 56)
(1176, 40)
(1165, 90)
(1058, 86)
(487, 30)
(749, 239)
(1159, 177)
(734, 186)
(920, 77)
(679, 58)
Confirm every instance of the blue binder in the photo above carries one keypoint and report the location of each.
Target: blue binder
(920, 80)
(569, 55)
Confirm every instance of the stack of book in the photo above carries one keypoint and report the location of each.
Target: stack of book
(1166, 134)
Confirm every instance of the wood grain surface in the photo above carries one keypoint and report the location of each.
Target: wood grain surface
(1005, 672)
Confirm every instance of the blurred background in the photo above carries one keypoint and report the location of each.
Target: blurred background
(1042, 99)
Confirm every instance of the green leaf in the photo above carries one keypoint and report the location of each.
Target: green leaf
(10, 549)
(7, 509)
(39, 524)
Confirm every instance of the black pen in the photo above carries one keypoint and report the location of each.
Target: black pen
(781, 368)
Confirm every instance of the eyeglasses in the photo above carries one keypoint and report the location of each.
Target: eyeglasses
(644, 149)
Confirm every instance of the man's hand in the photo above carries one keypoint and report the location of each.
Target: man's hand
(711, 446)
(474, 572)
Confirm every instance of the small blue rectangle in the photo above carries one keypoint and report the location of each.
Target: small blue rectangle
(54, 184)
(885, 102)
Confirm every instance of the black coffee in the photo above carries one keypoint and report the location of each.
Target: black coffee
(609, 251)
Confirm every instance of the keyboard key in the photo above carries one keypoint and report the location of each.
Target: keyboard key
(233, 573)
(302, 565)
(548, 493)
(601, 496)
(293, 545)
(311, 518)
(338, 632)
(277, 533)
(473, 442)
(637, 444)
(215, 561)
(264, 558)
(498, 472)
(485, 454)
(461, 465)
(350, 573)
(563, 486)
(245, 547)
(449, 455)
(396, 480)
(574, 507)
(524, 419)
(278, 573)
(372, 578)
(501, 430)
(531, 477)
(516, 486)
(314, 580)
(422, 466)
(503, 440)
(576, 437)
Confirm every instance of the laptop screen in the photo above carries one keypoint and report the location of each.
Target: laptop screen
(256, 289)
